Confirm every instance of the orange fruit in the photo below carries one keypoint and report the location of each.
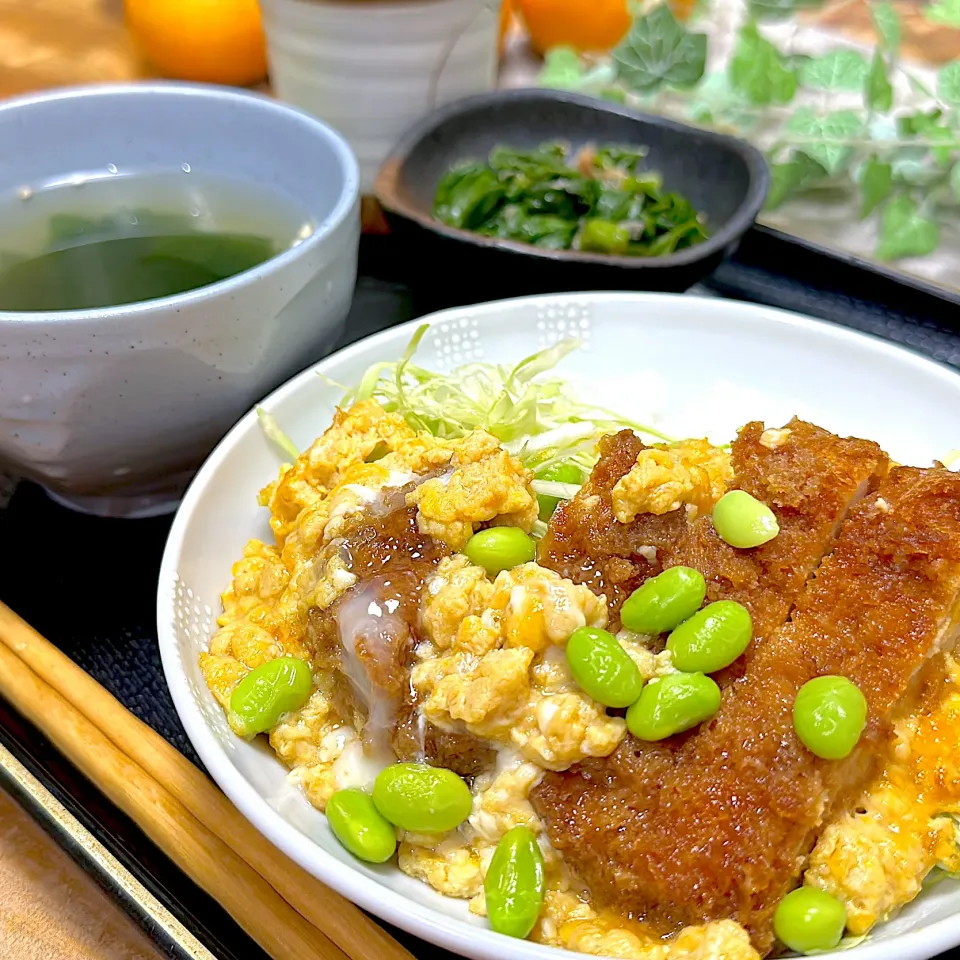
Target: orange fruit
(583, 24)
(210, 41)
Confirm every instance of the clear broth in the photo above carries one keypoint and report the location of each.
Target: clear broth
(116, 240)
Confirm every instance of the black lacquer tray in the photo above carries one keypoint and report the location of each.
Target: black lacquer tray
(103, 574)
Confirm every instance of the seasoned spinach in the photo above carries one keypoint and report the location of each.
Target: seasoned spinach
(600, 200)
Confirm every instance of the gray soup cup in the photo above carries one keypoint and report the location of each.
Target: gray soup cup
(113, 409)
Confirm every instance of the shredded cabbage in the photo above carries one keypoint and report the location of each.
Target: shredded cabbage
(536, 418)
(275, 435)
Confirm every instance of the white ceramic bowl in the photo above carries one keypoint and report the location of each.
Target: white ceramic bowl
(695, 365)
(112, 410)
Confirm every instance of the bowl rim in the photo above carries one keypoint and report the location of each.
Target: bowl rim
(388, 178)
(453, 933)
(338, 215)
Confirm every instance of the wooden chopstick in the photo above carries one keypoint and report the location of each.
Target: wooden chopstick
(347, 926)
(245, 895)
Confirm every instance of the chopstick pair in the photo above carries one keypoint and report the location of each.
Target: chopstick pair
(285, 910)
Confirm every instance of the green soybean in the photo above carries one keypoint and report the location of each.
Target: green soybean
(808, 919)
(712, 638)
(500, 548)
(420, 798)
(514, 883)
(602, 668)
(558, 473)
(672, 704)
(829, 715)
(664, 601)
(360, 827)
(743, 521)
(269, 691)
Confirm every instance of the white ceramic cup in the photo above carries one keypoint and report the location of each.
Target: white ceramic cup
(372, 69)
(112, 410)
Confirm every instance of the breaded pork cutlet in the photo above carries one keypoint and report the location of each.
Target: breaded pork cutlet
(808, 476)
(723, 831)
(393, 559)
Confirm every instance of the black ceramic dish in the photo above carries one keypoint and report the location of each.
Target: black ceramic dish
(724, 178)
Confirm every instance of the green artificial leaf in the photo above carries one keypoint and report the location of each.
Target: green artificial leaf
(911, 165)
(943, 155)
(780, 9)
(948, 83)
(887, 21)
(928, 126)
(904, 232)
(911, 124)
(759, 71)
(824, 136)
(658, 50)
(876, 182)
(793, 177)
(877, 91)
(955, 180)
(562, 69)
(838, 70)
(944, 13)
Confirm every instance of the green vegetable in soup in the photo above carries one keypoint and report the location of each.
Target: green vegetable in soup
(599, 201)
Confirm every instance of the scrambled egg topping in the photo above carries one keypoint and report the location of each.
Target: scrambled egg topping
(494, 665)
(317, 499)
(664, 478)
(486, 484)
(875, 861)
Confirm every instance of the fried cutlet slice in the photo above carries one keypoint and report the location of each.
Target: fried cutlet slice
(808, 476)
(585, 543)
(368, 636)
(723, 830)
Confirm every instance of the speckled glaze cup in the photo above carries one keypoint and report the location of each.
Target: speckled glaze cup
(112, 410)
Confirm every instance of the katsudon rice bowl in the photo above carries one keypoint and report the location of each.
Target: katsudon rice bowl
(618, 690)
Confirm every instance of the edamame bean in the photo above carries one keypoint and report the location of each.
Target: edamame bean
(514, 883)
(602, 668)
(808, 919)
(743, 521)
(829, 715)
(269, 691)
(500, 548)
(664, 601)
(712, 638)
(360, 827)
(672, 704)
(558, 473)
(424, 799)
